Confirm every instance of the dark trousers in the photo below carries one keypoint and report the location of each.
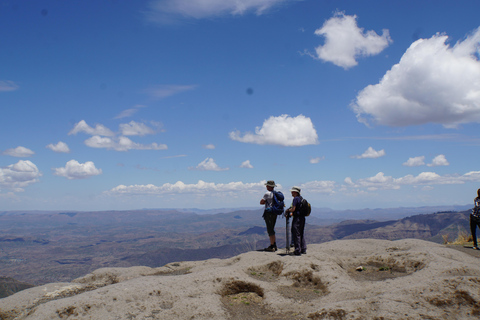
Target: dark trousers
(270, 220)
(298, 234)
(474, 223)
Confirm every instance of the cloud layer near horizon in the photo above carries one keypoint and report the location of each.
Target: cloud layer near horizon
(378, 182)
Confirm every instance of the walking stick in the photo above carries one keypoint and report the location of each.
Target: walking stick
(287, 246)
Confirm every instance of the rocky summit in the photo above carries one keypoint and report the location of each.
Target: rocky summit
(342, 279)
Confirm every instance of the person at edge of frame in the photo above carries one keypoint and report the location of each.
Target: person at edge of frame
(475, 220)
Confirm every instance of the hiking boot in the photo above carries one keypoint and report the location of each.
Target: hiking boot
(271, 248)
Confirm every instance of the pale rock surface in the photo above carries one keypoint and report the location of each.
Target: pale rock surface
(403, 279)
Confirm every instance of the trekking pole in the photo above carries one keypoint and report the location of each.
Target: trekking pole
(287, 230)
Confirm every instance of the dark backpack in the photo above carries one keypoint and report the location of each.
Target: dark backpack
(305, 208)
(278, 205)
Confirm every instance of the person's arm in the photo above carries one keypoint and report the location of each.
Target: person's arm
(291, 210)
(262, 201)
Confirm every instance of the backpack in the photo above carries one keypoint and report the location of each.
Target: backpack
(278, 205)
(305, 208)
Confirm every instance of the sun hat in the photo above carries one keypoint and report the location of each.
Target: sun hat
(271, 183)
(296, 189)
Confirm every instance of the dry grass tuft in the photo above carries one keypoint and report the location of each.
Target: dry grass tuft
(463, 237)
(269, 272)
(236, 286)
(460, 298)
(307, 279)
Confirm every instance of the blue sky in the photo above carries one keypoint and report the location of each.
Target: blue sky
(193, 103)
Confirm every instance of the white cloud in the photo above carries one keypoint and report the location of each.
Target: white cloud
(415, 162)
(19, 152)
(167, 11)
(382, 182)
(246, 164)
(59, 147)
(135, 129)
(370, 153)
(129, 112)
(164, 91)
(319, 187)
(102, 137)
(201, 187)
(7, 85)
(121, 144)
(209, 146)
(283, 130)
(19, 175)
(345, 41)
(432, 83)
(439, 160)
(316, 160)
(99, 130)
(75, 170)
(208, 165)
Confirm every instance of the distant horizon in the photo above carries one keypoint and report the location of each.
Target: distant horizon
(232, 209)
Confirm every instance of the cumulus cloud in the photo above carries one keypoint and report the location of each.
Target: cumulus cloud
(283, 130)
(201, 187)
(102, 137)
(316, 160)
(121, 144)
(208, 165)
(19, 175)
(432, 83)
(19, 152)
(7, 85)
(60, 147)
(415, 162)
(135, 129)
(345, 41)
(168, 11)
(246, 164)
(129, 112)
(370, 153)
(382, 182)
(325, 186)
(99, 130)
(439, 160)
(75, 170)
(164, 91)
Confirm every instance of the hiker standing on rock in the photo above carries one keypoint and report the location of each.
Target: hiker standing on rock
(298, 223)
(475, 220)
(269, 216)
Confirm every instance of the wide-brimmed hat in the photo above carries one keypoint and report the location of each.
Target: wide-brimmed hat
(296, 189)
(271, 183)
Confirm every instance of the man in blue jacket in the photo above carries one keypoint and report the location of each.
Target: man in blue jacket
(298, 223)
